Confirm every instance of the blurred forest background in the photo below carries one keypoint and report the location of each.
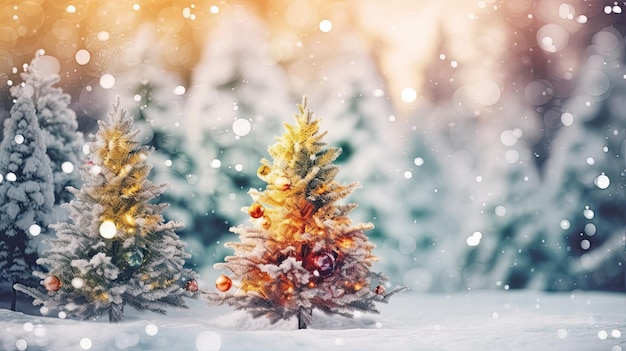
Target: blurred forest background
(489, 136)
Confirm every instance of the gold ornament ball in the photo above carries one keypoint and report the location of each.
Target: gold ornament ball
(256, 210)
(52, 283)
(223, 283)
(263, 171)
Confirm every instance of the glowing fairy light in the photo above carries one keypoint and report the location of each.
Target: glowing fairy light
(326, 26)
(67, 167)
(86, 343)
(107, 81)
(179, 90)
(208, 340)
(474, 239)
(151, 330)
(103, 36)
(216, 163)
(34, 229)
(78, 282)
(108, 229)
(602, 181)
(241, 127)
(567, 119)
(408, 95)
(82, 57)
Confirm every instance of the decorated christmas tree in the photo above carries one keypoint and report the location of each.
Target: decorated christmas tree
(302, 252)
(26, 194)
(117, 251)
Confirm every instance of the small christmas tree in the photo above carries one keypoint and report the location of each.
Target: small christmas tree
(302, 251)
(117, 251)
(26, 193)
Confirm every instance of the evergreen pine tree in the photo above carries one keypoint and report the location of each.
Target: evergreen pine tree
(59, 128)
(302, 252)
(586, 175)
(26, 193)
(117, 251)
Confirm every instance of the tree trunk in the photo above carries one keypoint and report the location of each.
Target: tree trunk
(116, 313)
(304, 318)
(13, 297)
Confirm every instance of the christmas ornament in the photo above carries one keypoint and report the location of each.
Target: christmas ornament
(256, 210)
(223, 283)
(133, 258)
(52, 283)
(282, 183)
(380, 290)
(320, 264)
(263, 171)
(191, 285)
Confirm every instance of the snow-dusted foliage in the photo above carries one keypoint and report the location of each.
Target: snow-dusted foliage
(302, 251)
(586, 173)
(59, 129)
(26, 192)
(117, 250)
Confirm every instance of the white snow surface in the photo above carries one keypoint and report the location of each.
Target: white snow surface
(473, 320)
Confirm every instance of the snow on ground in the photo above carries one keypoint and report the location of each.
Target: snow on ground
(476, 320)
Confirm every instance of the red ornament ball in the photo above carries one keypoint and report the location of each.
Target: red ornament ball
(52, 283)
(256, 210)
(321, 264)
(223, 283)
(191, 285)
(380, 290)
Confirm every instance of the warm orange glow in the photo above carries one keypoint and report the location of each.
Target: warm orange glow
(345, 243)
(130, 220)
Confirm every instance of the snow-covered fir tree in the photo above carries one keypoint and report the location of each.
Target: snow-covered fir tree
(302, 251)
(426, 262)
(26, 193)
(117, 250)
(586, 173)
(510, 246)
(59, 129)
